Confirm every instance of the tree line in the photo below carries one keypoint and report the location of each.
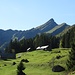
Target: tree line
(68, 38)
(39, 40)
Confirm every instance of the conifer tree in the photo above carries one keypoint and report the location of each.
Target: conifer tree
(20, 67)
(71, 61)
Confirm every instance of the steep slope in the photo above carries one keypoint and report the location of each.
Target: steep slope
(40, 29)
(58, 29)
(65, 31)
(6, 35)
(47, 26)
(68, 37)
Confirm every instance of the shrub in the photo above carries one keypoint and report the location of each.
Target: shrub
(14, 63)
(58, 57)
(24, 60)
(5, 65)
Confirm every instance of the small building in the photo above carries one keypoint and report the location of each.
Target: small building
(38, 48)
(42, 47)
(28, 49)
(45, 47)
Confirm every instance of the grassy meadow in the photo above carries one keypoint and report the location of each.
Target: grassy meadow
(40, 62)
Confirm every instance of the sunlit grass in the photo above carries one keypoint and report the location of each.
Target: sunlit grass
(40, 62)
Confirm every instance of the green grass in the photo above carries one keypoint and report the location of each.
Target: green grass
(40, 62)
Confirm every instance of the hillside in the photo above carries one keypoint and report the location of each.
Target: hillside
(66, 30)
(47, 26)
(40, 62)
(68, 37)
(58, 29)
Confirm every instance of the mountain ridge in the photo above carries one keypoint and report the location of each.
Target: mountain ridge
(51, 25)
(58, 29)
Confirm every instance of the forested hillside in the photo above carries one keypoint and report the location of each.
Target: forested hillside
(68, 38)
(42, 40)
(32, 43)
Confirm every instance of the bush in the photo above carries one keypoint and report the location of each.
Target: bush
(25, 60)
(5, 65)
(14, 63)
(58, 57)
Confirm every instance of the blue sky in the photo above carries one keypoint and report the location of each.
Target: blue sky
(26, 14)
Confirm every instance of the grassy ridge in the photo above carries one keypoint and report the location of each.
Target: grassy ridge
(40, 62)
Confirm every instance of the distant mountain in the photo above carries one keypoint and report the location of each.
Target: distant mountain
(58, 29)
(47, 26)
(66, 30)
(50, 27)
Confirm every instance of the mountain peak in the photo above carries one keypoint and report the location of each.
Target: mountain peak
(47, 26)
(51, 22)
(51, 19)
(64, 24)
